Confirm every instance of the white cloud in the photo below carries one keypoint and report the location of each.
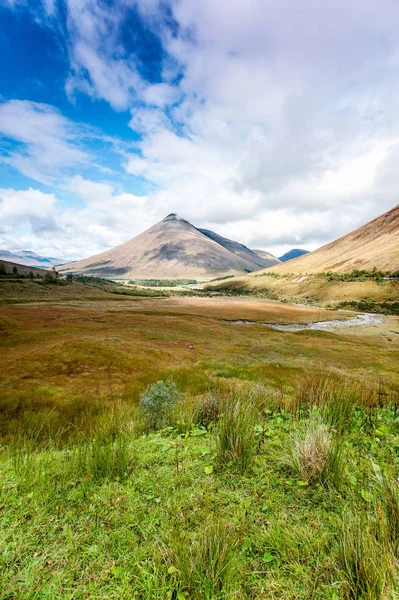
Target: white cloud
(46, 141)
(31, 219)
(282, 129)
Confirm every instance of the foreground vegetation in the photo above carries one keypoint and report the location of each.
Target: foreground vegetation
(242, 494)
(150, 449)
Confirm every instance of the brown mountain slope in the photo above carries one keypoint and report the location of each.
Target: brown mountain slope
(267, 256)
(171, 249)
(375, 244)
(259, 258)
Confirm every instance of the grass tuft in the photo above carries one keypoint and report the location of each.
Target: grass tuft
(203, 565)
(363, 559)
(105, 457)
(236, 434)
(313, 453)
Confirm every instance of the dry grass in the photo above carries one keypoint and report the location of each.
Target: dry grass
(69, 361)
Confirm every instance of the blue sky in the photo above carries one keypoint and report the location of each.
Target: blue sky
(274, 123)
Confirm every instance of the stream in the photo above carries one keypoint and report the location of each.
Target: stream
(359, 320)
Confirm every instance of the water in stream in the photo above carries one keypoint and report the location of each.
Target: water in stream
(363, 319)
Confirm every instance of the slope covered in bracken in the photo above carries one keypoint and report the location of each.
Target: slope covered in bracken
(375, 244)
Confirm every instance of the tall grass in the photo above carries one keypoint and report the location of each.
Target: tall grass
(336, 399)
(389, 502)
(204, 564)
(236, 434)
(364, 561)
(105, 457)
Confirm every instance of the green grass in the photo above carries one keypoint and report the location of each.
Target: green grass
(119, 514)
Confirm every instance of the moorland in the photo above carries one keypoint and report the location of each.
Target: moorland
(153, 447)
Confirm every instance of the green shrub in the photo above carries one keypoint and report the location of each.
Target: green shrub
(158, 402)
(207, 410)
(236, 433)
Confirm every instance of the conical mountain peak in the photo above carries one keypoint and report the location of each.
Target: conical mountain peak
(171, 249)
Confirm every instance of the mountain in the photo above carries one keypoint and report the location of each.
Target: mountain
(291, 254)
(267, 256)
(31, 259)
(259, 257)
(21, 269)
(375, 244)
(171, 249)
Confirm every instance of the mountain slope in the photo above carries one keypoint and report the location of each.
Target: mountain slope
(171, 249)
(291, 254)
(260, 258)
(375, 244)
(31, 259)
(270, 258)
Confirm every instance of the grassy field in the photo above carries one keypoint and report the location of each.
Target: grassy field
(373, 295)
(272, 473)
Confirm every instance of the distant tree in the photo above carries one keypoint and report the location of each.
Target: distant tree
(3, 270)
(31, 276)
(56, 274)
(15, 270)
(69, 277)
(49, 277)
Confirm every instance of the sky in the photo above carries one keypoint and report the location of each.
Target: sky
(273, 122)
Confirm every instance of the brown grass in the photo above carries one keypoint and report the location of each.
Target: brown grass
(73, 358)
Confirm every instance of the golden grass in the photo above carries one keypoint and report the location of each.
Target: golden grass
(84, 354)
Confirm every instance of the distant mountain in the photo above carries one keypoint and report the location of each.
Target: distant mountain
(375, 244)
(291, 254)
(267, 256)
(31, 259)
(171, 249)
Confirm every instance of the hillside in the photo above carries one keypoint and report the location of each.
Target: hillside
(375, 244)
(171, 249)
(31, 259)
(21, 269)
(259, 257)
(267, 256)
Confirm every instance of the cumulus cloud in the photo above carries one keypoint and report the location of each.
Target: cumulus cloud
(46, 142)
(274, 123)
(101, 218)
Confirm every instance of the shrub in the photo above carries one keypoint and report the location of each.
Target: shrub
(364, 561)
(236, 433)
(313, 452)
(158, 402)
(207, 410)
(204, 564)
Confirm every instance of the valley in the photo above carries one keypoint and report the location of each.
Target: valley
(98, 487)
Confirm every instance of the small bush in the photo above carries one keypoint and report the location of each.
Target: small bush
(207, 410)
(158, 403)
(204, 564)
(364, 561)
(236, 433)
(313, 451)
